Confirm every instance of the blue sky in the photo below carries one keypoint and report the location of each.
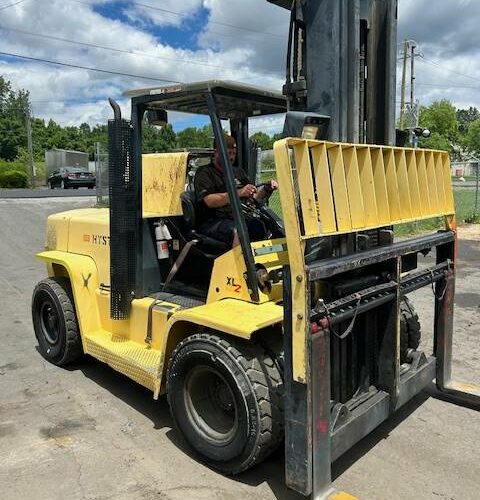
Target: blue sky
(242, 40)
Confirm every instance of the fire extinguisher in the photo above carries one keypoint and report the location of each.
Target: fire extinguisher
(163, 236)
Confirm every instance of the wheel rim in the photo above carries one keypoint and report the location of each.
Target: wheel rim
(211, 405)
(49, 322)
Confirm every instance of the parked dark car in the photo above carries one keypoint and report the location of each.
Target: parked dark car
(71, 177)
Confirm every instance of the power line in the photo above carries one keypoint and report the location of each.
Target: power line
(113, 49)
(446, 86)
(456, 86)
(11, 5)
(434, 63)
(110, 72)
(181, 14)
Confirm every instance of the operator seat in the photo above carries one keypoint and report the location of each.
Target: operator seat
(207, 245)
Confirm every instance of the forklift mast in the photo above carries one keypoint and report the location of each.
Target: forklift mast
(341, 62)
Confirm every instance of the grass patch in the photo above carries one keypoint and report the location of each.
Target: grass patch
(467, 178)
(464, 210)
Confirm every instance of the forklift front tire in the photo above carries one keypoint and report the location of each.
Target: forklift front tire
(226, 397)
(55, 321)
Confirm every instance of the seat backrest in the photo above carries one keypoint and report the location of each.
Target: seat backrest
(188, 199)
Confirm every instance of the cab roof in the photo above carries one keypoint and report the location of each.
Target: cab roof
(233, 100)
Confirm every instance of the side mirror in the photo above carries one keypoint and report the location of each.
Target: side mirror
(157, 117)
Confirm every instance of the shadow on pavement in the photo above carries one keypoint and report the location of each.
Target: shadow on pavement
(272, 470)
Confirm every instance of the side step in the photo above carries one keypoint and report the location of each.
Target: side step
(140, 363)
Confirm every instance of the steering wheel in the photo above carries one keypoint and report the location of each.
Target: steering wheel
(258, 209)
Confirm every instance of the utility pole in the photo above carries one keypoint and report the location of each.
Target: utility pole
(413, 137)
(31, 164)
(412, 74)
(404, 84)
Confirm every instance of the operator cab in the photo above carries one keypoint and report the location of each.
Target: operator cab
(191, 254)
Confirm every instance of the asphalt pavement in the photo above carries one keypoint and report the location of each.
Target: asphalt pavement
(88, 433)
(45, 192)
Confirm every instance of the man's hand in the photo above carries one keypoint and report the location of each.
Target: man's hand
(271, 185)
(267, 189)
(247, 191)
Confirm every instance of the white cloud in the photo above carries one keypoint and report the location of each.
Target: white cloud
(166, 13)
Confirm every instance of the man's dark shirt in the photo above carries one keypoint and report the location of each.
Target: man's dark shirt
(209, 180)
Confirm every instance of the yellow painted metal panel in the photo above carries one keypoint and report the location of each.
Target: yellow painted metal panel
(447, 179)
(380, 182)
(417, 207)
(227, 278)
(432, 182)
(163, 181)
(305, 185)
(438, 165)
(354, 187)
(341, 495)
(392, 184)
(323, 185)
(403, 184)
(339, 185)
(236, 317)
(83, 275)
(368, 186)
(423, 182)
(296, 257)
(138, 362)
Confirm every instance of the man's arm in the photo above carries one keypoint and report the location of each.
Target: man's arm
(219, 200)
(216, 200)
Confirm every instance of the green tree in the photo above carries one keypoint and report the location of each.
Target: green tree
(264, 141)
(441, 119)
(473, 138)
(436, 141)
(194, 137)
(466, 117)
(13, 106)
(156, 140)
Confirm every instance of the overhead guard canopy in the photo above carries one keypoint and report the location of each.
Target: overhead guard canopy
(233, 100)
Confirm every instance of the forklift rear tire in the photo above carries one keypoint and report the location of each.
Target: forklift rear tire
(55, 321)
(226, 397)
(410, 330)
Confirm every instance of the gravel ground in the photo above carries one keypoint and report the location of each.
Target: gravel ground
(89, 433)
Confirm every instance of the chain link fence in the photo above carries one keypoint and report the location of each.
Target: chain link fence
(101, 173)
(265, 172)
(466, 187)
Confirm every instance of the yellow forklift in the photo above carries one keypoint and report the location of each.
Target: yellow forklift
(306, 338)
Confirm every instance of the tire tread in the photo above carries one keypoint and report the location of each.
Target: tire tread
(266, 383)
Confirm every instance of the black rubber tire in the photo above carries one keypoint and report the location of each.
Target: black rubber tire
(256, 391)
(52, 298)
(410, 330)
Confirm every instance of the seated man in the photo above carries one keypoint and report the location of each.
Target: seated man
(214, 211)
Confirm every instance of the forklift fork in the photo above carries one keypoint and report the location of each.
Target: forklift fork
(451, 390)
